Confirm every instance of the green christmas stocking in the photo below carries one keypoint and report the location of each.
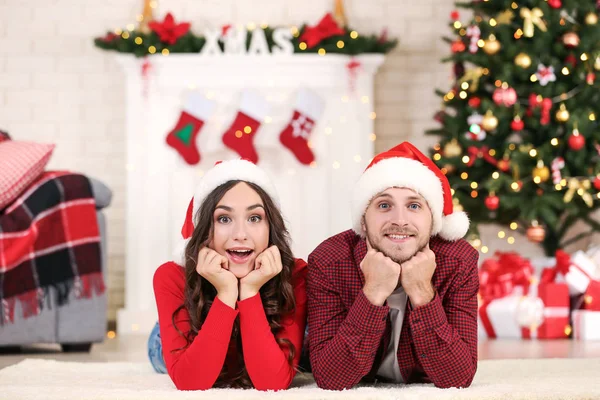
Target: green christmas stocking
(182, 138)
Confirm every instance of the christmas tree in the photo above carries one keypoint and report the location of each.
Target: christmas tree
(520, 141)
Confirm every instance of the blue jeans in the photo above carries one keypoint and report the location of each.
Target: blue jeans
(155, 353)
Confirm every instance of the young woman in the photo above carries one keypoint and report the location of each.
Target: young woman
(232, 313)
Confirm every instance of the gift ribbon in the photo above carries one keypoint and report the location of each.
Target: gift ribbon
(564, 264)
(483, 152)
(498, 278)
(532, 17)
(326, 28)
(575, 185)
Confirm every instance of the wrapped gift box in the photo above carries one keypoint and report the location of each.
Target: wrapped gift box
(586, 325)
(541, 314)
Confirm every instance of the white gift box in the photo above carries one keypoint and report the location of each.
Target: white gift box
(586, 325)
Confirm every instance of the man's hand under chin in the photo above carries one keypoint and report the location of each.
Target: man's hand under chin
(416, 277)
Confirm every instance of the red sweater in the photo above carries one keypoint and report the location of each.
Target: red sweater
(198, 366)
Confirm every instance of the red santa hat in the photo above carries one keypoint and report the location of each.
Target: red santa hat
(222, 172)
(405, 166)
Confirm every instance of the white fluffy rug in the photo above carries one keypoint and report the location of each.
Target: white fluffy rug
(497, 379)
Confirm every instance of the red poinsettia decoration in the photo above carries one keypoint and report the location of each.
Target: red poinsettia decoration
(168, 31)
(326, 28)
(109, 37)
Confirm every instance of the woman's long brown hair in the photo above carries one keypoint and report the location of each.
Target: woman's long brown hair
(277, 294)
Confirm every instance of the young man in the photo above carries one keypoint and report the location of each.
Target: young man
(395, 299)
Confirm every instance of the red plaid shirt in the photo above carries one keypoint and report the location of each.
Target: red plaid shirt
(348, 334)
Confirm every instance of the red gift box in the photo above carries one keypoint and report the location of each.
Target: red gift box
(555, 319)
(591, 299)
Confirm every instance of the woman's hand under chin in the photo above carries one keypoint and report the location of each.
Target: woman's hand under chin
(266, 266)
(215, 268)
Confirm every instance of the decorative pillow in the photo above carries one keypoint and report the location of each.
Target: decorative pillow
(21, 163)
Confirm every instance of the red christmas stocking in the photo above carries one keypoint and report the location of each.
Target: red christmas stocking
(240, 135)
(196, 111)
(307, 111)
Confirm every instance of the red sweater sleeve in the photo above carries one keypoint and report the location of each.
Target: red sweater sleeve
(267, 363)
(198, 366)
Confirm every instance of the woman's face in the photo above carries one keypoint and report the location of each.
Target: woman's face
(241, 229)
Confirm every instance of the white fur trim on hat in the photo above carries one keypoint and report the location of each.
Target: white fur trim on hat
(398, 172)
(179, 251)
(238, 170)
(454, 226)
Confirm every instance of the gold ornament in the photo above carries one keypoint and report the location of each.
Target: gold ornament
(452, 149)
(591, 18)
(597, 64)
(523, 60)
(531, 18)
(490, 122)
(505, 17)
(571, 39)
(581, 188)
(562, 115)
(541, 172)
(146, 17)
(536, 233)
(492, 46)
(339, 14)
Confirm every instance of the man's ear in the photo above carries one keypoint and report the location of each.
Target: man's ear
(363, 226)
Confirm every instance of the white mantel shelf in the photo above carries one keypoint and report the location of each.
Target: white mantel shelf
(315, 201)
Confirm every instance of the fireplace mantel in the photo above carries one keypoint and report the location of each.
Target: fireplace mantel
(315, 200)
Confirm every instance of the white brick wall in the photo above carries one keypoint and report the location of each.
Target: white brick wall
(56, 87)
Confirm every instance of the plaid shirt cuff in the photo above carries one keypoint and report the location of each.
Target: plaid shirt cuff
(428, 317)
(366, 317)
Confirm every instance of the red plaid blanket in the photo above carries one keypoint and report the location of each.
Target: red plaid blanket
(49, 239)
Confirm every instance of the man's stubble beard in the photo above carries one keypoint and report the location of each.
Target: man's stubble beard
(394, 259)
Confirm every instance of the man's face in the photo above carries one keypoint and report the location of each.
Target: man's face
(398, 223)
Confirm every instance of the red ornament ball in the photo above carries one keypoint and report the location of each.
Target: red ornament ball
(474, 102)
(492, 202)
(571, 59)
(555, 3)
(597, 183)
(458, 46)
(576, 142)
(536, 234)
(590, 78)
(517, 124)
(454, 15)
